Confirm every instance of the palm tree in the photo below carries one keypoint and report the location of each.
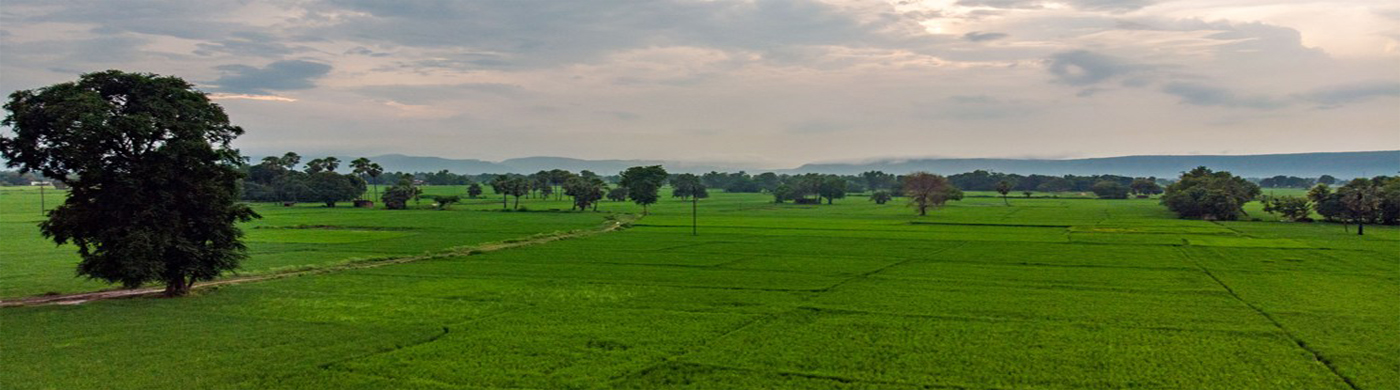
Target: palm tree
(361, 167)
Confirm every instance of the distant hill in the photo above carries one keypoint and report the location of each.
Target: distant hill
(402, 163)
(1339, 164)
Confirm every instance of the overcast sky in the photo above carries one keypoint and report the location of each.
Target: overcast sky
(772, 84)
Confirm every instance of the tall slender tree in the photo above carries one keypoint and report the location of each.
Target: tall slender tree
(690, 186)
(1003, 188)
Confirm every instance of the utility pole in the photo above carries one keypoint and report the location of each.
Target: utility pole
(41, 197)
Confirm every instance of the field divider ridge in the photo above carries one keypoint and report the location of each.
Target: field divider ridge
(1317, 355)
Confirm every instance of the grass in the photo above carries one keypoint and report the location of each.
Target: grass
(1049, 293)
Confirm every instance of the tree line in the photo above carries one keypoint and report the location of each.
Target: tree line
(1219, 195)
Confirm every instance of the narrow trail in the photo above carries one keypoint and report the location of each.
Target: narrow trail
(622, 222)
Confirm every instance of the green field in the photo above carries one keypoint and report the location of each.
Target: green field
(1048, 293)
(285, 238)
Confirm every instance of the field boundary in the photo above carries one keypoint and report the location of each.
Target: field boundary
(622, 222)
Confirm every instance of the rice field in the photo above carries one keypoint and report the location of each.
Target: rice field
(1047, 293)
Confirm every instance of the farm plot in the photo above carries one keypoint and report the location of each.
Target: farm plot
(305, 236)
(853, 295)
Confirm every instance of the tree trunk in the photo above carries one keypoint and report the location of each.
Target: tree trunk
(504, 198)
(178, 286)
(517, 203)
(1003, 200)
(1360, 228)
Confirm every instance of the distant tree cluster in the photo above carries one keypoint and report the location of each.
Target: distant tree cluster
(276, 179)
(1282, 181)
(740, 182)
(981, 180)
(15, 178)
(1361, 201)
(812, 188)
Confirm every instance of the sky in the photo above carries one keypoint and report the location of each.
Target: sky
(760, 83)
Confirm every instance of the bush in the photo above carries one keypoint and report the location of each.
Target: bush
(1290, 208)
(397, 197)
(881, 197)
(446, 200)
(1110, 190)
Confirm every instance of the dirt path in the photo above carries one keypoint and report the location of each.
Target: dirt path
(79, 298)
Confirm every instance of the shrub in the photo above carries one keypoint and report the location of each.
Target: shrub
(446, 200)
(1107, 189)
(1290, 208)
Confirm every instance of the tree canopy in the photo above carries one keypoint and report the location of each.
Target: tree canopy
(643, 184)
(154, 182)
(1202, 193)
(926, 190)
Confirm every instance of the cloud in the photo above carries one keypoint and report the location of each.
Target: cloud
(277, 76)
(1003, 4)
(1341, 94)
(978, 36)
(429, 94)
(984, 107)
(1082, 67)
(238, 96)
(1206, 95)
(507, 35)
(248, 44)
(818, 127)
(1088, 5)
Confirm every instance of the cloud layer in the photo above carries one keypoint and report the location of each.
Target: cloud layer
(773, 83)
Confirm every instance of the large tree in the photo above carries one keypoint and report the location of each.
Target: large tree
(1362, 200)
(329, 187)
(926, 190)
(1202, 193)
(831, 187)
(1145, 186)
(643, 184)
(154, 182)
(586, 191)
